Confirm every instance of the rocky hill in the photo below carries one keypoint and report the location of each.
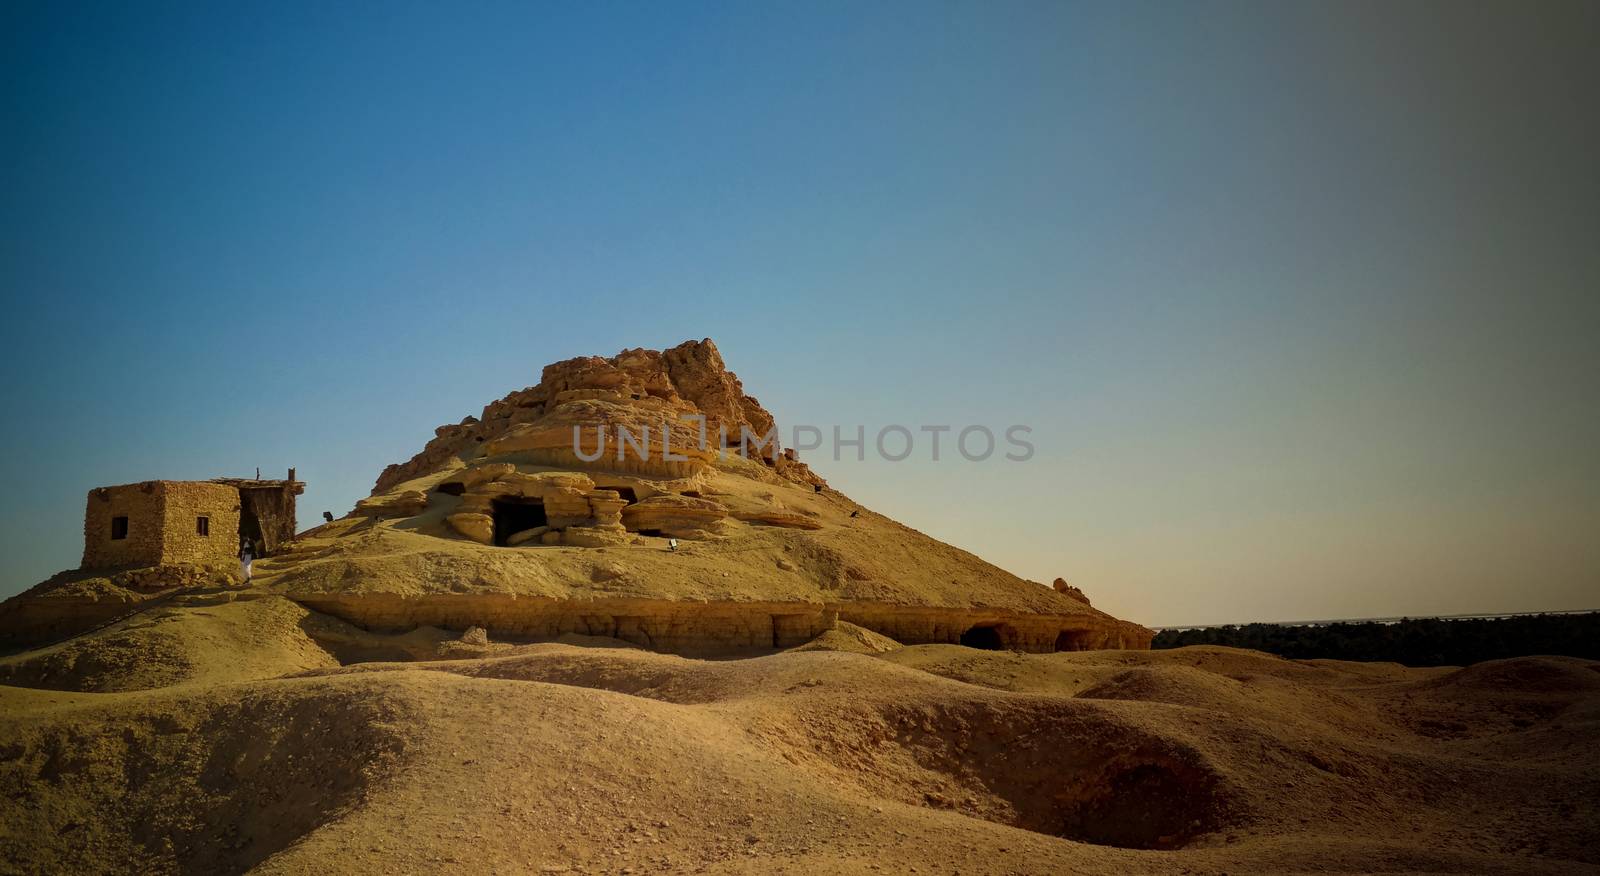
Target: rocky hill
(508, 522)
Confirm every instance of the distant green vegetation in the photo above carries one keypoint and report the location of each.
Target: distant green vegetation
(1423, 642)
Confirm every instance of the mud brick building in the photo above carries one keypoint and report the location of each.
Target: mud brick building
(157, 523)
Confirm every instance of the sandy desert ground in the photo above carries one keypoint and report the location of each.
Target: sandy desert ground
(239, 732)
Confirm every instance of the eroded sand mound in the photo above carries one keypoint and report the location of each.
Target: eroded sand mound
(199, 639)
(849, 637)
(268, 755)
(198, 780)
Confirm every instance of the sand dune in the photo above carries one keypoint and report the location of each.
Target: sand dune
(241, 742)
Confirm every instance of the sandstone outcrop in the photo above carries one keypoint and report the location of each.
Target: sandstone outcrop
(401, 504)
(1061, 586)
(676, 516)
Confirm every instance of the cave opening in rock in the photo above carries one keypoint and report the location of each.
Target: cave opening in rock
(985, 637)
(513, 515)
(627, 493)
(1073, 640)
(654, 533)
(452, 488)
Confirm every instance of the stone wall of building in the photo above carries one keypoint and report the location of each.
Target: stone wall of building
(162, 524)
(184, 502)
(140, 545)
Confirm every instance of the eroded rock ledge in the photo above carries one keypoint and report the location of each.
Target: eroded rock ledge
(683, 627)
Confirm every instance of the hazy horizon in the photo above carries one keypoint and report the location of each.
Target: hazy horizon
(1300, 302)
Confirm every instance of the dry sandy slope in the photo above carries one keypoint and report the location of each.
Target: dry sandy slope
(856, 556)
(930, 759)
(201, 640)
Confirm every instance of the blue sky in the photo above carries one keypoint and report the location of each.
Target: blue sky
(1299, 300)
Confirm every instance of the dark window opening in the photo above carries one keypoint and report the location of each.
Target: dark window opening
(513, 515)
(986, 638)
(1072, 640)
(693, 494)
(653, 532)
(626, 493)
(202, 526)
(816, 488)
(453, 488)
(119, 528)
